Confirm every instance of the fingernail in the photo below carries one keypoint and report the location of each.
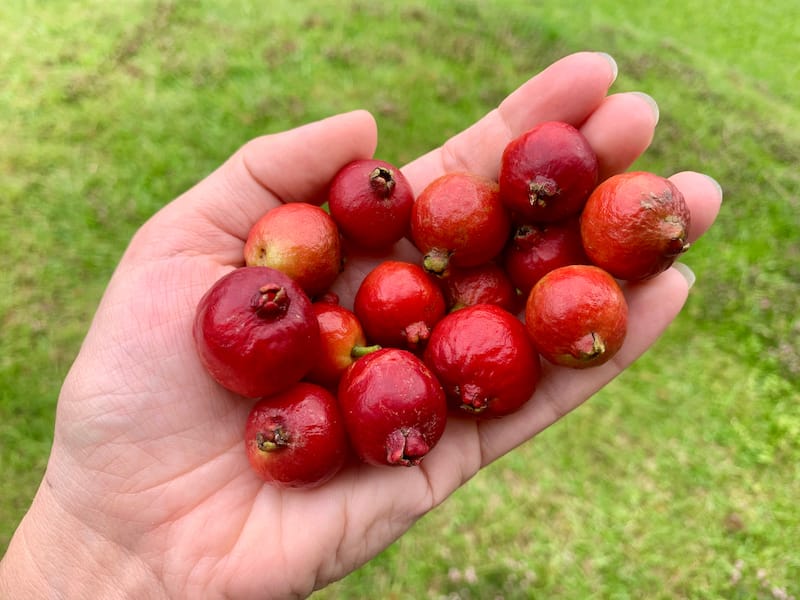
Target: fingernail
(651, 101)
(613, 63)
(716, 185)
(686, 272)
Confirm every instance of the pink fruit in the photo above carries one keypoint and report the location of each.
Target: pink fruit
(300, 240)
(577, 316)
(394, 408)
(459, 221)
(296, 438)
(484, 360)
(371, 201)
(635, 225)
(342, 342)
(484, 284)
(547, 173)
(398, 304)
(535, 250)
(255, 331)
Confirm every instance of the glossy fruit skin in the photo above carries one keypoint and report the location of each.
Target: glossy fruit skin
(635, 225)
(484, 284)
(577, 316)
(547, 173)
(535, 250)
(342, 342)
(458, 220)
(484, 360)
(394, 409)
(371, 200)
(398, 304)
(299, 239)
(296, 438)
(255, 331)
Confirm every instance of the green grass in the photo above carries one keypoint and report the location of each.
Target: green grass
(678, 480)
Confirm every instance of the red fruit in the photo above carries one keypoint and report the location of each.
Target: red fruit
(394, 409)
(398, 304)
(371, 201)
(296, 438)
(547, 173)
(484, 284)
(635, 225)
(577, 316)
(484, 360)
(538, 249)
(459, 221)
(255, 331)
(342, 342)
(300, 240)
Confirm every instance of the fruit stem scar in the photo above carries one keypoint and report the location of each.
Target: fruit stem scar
(540, 189)
(273, 439)
(382, 181)
(271, 300)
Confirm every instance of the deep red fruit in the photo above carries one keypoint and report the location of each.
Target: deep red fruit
(342, 342)
(458, 220)
(547, 173)
(300, 240)
(371, 201)
(398, 304)
(296, 438)
(394, 408)
(484, 360)
(484, 284)
(255, 331)
(535, 250)
(577, 316)
(635, 225)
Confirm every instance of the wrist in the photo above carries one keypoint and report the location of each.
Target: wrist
(53, 554)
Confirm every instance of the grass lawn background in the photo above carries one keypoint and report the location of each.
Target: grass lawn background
(680, 479)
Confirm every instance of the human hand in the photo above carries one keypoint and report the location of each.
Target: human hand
(148, 492)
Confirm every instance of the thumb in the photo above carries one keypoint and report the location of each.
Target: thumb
(215, 216)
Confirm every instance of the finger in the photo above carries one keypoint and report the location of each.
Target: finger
(620, 130)
(703, 195)
(568, 90)
(215, 216)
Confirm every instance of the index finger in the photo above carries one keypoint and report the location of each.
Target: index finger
(569, 90)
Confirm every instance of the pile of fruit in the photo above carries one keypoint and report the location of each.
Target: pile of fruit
(511, 270)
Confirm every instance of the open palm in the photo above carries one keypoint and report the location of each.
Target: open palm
(148, 453)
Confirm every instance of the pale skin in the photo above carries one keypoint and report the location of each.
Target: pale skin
(147, 492)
